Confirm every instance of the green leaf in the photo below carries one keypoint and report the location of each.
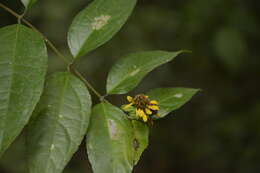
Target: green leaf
(110, 140)
(170, 99)
(97, 24)
(141, 138)
(129, 71)
(59, 124)
(28, 3)
(23, 64)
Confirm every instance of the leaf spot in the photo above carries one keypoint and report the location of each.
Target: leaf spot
(113, 132)
(100, 21)
(90, 146)
(60, 116)
(136, 144)
(134, 72)
(52, 147)
(179, 95)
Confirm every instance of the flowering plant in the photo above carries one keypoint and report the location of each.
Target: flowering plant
(58, 110)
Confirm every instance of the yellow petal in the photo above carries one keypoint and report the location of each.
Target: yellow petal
(138, 112)
(145, 118)
(127, 106)
(129, 98)
(142, 113)
(154, 102)
(146, 96)
(154, 107)
(148, 111)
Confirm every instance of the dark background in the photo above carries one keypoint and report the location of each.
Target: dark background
(219, 129)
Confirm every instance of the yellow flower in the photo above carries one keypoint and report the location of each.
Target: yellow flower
(141, 114)
(137, 111)
(144, 108)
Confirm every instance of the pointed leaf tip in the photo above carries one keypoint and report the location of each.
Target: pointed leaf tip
(170, 99)
(28, 3)
(97, 24)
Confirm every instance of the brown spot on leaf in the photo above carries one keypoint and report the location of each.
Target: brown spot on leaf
(136, 144)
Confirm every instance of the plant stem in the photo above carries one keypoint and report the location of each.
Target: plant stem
(77, 73)
(9, 10)
(55, 50)
(35, 29)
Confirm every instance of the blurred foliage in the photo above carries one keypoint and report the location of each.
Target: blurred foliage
(219, 130)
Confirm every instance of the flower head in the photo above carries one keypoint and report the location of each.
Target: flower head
(141, 108)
